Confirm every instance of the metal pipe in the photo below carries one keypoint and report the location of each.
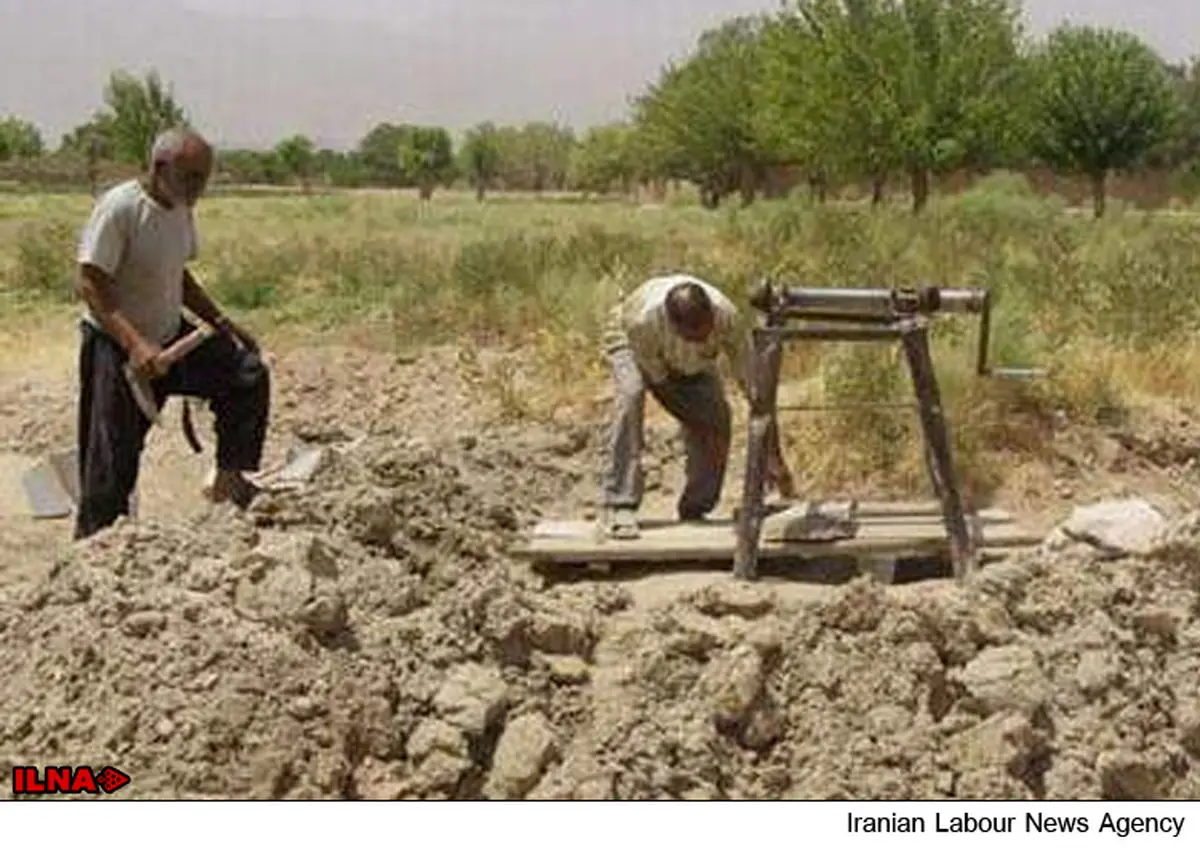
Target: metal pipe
(985, 336)
(847, 317)
(880, 301)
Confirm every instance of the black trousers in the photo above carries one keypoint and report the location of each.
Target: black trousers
(112, 427)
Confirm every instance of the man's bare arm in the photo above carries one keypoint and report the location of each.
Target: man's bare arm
(98, 291)
(205, 308)
(198, 301)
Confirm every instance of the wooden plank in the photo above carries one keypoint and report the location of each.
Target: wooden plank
(581, 541)
(891, 509)
(780, 525)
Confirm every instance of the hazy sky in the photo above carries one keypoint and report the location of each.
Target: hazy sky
(334, 68)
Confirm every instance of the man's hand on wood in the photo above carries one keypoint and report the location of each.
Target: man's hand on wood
(781, 479)
(144, 358)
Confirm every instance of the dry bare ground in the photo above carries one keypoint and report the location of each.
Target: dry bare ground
(371, 638)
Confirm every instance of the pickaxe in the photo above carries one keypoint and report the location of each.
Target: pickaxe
(141, 387)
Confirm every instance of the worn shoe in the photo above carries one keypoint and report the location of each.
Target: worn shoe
(231, 486)
(623, 524)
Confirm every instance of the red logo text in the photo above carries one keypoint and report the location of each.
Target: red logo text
(67, 780)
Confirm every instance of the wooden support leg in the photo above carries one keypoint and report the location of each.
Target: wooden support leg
(768, 356)
(937, 448)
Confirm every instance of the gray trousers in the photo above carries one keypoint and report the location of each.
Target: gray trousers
(696, 402)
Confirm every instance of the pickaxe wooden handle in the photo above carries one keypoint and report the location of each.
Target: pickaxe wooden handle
(143, 392)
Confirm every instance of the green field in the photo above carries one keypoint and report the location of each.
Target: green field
(1109, 306)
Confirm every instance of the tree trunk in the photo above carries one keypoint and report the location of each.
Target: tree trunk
(920, 189)
(1099, 193)
(426, 191)
(877, 189)
(819, 187)
(480, 191)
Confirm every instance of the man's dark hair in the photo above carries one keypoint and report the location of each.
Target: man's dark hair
(688, 305)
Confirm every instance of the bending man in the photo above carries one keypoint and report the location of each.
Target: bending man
(134, 280)
(666, 338)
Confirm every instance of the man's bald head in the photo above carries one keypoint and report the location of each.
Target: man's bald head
(181, 161)
(691, 312)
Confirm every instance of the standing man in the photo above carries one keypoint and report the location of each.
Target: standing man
(666, 338)
(134, 280)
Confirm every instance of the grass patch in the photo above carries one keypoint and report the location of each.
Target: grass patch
(1108, 306)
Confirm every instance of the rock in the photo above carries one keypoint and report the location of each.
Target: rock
(888, 720)
(1097, 672)
(441, 773)
(378, 781)
(526, 748)
(272, 592)
(1005, 580)
(473, 698)
(1188, 723)
(435, 735)
(301, 550)
(767, 637)
(141, 624)
(325, 614)
(305, 708)
(764, 727)
(1006, 740)
(858, 608)
(739, 599)
(1070, 778)
(1004, 678)
(205, 575)
(1157, 622)
(733, 685)
(993, 623)
(568, 670)
(560, 634)
(1129, 776)
(1117, 528)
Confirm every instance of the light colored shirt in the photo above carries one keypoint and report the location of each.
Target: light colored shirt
(144, 247)
(640, 322)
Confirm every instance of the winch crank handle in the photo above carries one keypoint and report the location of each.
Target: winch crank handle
(1018, 373)
(982, 368)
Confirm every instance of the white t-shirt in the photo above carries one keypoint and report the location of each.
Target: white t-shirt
(641, 323)
(144, 247)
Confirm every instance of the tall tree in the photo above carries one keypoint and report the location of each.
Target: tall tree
(137, 110)
(700, 116)
(378, 153)
(1104, 100)
(543, 155)
(298, 156)
(93, 142)
(19, 139)
(603, 160)
(955, 65)
(426, 158)
(822, 107)
(480, 157)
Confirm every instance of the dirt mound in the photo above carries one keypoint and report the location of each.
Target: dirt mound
(370, 638)
(367, 641)
(1056, 675)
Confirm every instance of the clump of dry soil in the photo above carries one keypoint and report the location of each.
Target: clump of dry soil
(371, 638)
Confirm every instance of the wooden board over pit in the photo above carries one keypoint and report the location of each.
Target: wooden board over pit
(879, 530)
